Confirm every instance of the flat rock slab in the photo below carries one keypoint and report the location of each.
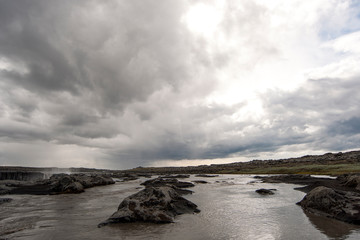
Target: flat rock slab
(152, 204)
(158, 182)
(206, 175)
(176, 176)
(328, 202)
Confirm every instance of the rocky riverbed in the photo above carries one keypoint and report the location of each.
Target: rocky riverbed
(337, 198)
(230, 209)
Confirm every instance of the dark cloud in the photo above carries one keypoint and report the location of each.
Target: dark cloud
(126, 83)
(347, 127)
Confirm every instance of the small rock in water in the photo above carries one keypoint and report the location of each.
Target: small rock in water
(200, 181)
(176, 176)
(264, 191)
(205, 175)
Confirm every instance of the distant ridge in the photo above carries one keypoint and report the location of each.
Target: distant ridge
(328, 163)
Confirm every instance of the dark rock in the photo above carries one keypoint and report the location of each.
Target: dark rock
(176, 176)
(264, 191)
(158, 182)
(65, 184)
(205, 175)
(200, 181)
(352, 181)
(288, 178)
(341, 205)
(153, 204)
(5, 200)
(92, 180)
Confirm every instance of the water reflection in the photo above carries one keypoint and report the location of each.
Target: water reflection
(332, 228)
(230, 209)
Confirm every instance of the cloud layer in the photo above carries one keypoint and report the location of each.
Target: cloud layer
(118, 84)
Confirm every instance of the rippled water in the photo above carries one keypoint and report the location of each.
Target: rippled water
(230, 209)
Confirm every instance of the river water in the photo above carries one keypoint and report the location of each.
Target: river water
(230, 209)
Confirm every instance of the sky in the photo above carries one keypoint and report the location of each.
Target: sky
(120, 84)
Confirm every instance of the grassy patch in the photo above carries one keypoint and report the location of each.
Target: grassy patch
(320, 169)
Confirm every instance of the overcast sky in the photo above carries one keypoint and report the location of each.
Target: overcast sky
(120, 84)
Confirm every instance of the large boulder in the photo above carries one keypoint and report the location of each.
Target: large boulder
(152, 204)
(341, 205)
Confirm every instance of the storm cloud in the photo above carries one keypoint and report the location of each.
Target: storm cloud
(118, 84)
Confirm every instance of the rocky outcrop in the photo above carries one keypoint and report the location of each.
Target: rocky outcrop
(263, 191)
(57, 184)
(153, 204)
(91, 180)
(350, 180)
(341, 205)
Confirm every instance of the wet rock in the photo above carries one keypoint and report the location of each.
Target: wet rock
(5, 200)
(341, 205)
(200, 182)
(206, 175)
(153, 204)
(158, 182)
(176, 176)
(264, 191)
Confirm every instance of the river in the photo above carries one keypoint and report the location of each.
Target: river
(230, 209)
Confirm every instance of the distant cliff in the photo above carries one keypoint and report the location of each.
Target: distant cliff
(21, 175)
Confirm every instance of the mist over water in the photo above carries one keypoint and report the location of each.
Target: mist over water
(230, 209)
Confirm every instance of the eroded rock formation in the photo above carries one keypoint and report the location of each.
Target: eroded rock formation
(341, 205)
(152, 204)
